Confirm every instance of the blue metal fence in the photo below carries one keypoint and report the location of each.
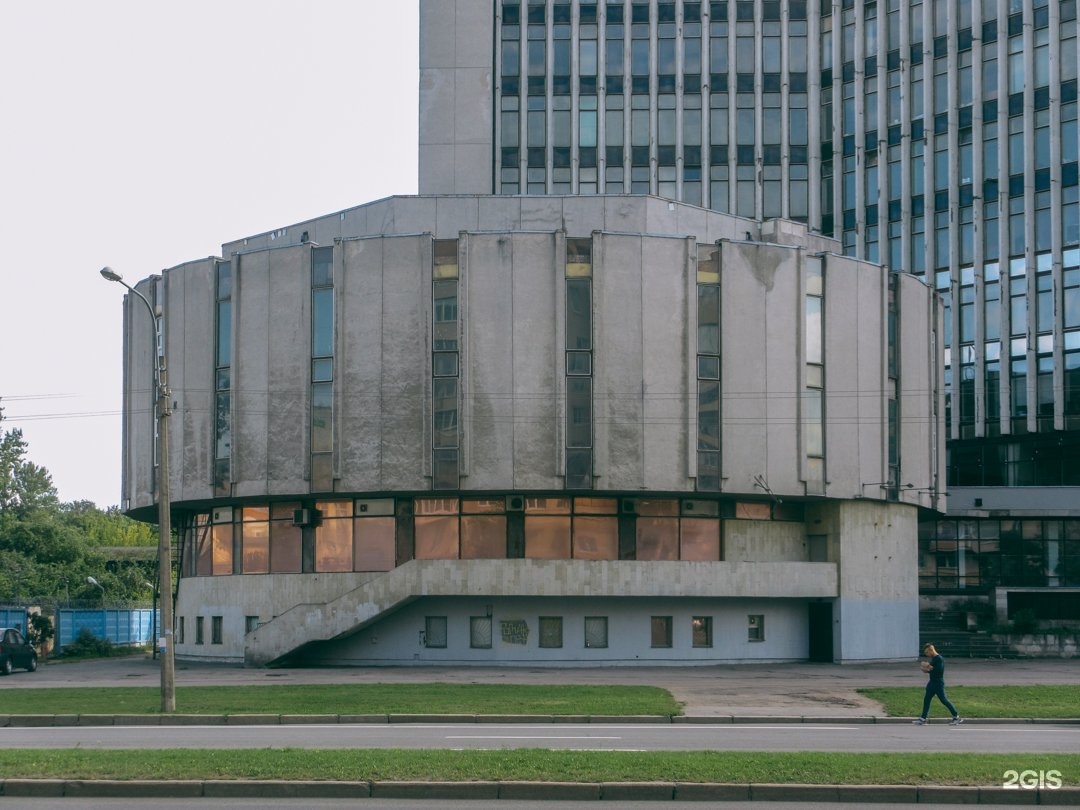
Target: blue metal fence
(13, 617)
(132, 626)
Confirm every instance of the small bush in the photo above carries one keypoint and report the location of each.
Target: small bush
(87, 645)
(1025, 622)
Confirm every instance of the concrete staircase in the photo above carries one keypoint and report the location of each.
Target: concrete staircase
(948, 631)
(308, 623)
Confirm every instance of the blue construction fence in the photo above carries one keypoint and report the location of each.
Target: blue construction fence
(14, 617)
(121, 626)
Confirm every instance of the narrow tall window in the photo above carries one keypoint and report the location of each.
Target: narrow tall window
(223, 375)
(708, 371)
(579, 416)
(322, 368)
(893, 492)
(445, 382)
(813, 416)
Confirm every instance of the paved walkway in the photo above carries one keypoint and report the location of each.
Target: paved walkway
(705, 691)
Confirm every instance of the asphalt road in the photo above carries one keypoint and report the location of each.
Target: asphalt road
(980, 738)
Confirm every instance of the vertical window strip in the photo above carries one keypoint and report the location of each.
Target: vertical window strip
(445, 347)
(579, 366)
(223, 374)
(708, 370)
(322, 368)
(813, 416)
(893, 490)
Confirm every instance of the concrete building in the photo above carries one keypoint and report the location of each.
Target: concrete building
(938, 138)
(601, 395)
(561, 430)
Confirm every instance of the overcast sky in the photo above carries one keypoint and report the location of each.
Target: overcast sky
(140, 135)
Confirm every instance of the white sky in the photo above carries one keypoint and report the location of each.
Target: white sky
(142, 134)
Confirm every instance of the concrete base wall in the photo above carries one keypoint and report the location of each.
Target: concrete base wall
(873, 630)
(398, 639)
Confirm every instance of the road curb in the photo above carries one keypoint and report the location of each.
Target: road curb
(55, 720)
(552, 791)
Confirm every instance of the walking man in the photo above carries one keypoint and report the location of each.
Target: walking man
(935, 687)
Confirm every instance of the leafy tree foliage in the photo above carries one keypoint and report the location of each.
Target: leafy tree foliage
(49, 548)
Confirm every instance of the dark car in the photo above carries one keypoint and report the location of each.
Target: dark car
(15, 651)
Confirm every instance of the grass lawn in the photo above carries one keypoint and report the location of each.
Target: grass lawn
(531, 764)
(378, 698)
(1056, 701)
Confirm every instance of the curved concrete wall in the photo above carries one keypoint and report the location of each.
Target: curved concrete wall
(512, 373)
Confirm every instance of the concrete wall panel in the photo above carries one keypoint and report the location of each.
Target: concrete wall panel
(190, 349)
(251, 376)
(618, 361)
(289, 352)
(666, 315)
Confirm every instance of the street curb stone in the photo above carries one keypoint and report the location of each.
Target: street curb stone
(637, 791)
(562, 791)
(566, 791)
(285, 789)
(435, 790)
(132, 789)
(703, 792)
(53, 720)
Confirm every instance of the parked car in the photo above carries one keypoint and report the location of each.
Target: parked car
(15, 651)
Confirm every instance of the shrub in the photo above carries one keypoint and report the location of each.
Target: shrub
(87, 645)
(1025, 622)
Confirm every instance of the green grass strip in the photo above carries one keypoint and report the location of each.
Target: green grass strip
(1055, 701)
(533, 764)
(377, 698)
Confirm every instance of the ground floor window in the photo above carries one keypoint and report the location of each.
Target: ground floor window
(215, 629)
(480, 632)
(701, 631)
(198, 629)
(435, 632)
(551, 631)
(661, 631)
(755, 630)
(596, 632)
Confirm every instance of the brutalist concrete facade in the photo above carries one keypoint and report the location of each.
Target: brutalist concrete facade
(384, 451)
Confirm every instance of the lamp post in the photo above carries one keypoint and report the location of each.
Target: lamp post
(162, 410)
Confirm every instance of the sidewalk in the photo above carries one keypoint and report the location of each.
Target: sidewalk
(743, 690)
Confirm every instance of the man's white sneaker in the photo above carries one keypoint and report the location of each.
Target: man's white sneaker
(919, 721)
(956, 721)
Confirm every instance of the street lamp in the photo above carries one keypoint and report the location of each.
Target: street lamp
(162, 410)
(97, 584)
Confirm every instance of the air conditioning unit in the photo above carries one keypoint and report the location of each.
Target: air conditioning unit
(515, 503)
(305, 517)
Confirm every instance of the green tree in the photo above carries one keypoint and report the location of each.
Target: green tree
(49, 548)
(24, 486)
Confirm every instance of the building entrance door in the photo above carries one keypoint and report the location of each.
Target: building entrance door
(821, 632)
